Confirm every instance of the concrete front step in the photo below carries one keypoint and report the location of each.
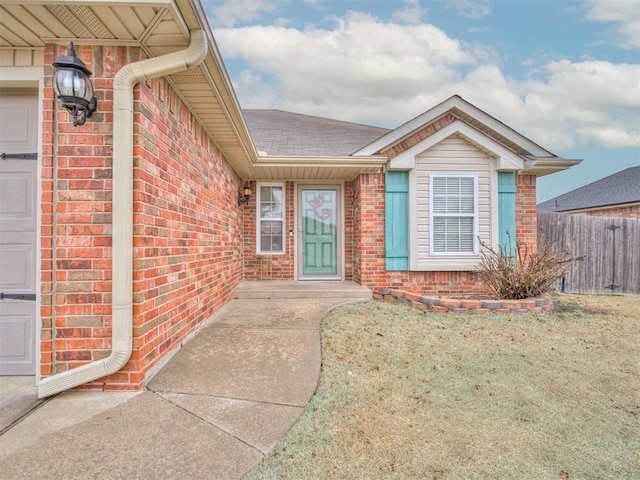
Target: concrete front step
(288, 289)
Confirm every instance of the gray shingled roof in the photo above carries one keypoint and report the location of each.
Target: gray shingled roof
(289, 134)
(617, 189)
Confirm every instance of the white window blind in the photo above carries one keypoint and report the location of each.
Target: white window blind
(453, 214)
(271, 212)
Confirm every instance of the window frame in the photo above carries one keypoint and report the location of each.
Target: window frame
(260, 219)
(474, 216)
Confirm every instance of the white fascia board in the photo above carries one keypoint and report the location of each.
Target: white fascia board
(405, 129)
(439, 110)
(112, 3)
(346, 161)
(548, 165)
(507, 160)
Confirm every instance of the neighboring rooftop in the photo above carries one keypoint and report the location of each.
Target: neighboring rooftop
(286, 134)
(618, 189)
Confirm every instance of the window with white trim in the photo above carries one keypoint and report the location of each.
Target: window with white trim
(271, 215)
(453, 214)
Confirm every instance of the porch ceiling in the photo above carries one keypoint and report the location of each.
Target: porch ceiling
(158, 27)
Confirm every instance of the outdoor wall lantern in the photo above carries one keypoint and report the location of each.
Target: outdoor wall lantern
(73, 87)
(245, 195)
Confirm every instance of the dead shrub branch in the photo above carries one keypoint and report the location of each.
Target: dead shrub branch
(521, 272)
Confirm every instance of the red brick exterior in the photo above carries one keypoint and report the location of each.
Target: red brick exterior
(282, 266)
(631, 211)
(418, 136)
(187, 225)
(271, 266)
(526, 211)
(192, 242)
(349, 238)
(369, 226)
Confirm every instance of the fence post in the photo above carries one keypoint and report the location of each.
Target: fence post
(613, 285)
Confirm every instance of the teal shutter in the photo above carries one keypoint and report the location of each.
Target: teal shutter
(507, 211)
(396, 220)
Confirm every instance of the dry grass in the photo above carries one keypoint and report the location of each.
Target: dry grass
(404, 394)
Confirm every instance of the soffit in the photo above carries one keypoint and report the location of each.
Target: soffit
(159, 27)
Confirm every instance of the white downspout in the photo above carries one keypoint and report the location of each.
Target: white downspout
(122, 236)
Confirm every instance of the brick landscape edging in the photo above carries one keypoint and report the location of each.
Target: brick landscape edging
(463, 305)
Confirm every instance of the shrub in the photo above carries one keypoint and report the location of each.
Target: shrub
(521, 272)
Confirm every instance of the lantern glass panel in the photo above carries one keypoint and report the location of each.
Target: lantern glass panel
(73, 83)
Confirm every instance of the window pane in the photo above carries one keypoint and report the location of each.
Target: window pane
(271, 202)
(466, 186)
(439, 186)
(453, 205)
(271, 220)
(276, 243)
(466, 234)
(268, 227)
(467, 205)
(439, 235)
(453, 195)
(453, 234)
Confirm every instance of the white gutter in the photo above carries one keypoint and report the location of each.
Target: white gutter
(122, 247)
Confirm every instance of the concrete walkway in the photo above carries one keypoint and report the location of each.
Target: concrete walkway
(213, 411)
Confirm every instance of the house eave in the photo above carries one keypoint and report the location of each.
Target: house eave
(309, 168)
(162, 27)
(540, 166)
(466, 112)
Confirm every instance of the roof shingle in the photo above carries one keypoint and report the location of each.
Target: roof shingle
(617, 189)
(286, 134)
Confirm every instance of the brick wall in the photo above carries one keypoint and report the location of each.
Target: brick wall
(268, 267)
(187, 225)
(419, 135)
(368, 227)
(349, 204)
(282, 266)
(526, 211)
(76, 222)
(632, 211)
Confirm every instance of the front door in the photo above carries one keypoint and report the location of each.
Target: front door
(18, 226)
(319, 257)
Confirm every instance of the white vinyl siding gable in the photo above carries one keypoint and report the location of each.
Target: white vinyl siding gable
(452, 157)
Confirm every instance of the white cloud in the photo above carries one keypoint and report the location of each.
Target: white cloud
(625, 13)
(474, 9)
(227, 13)
(360, 66)
(369, 71)
(593, 103)
(411, 13)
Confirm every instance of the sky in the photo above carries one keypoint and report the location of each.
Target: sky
(564, 73)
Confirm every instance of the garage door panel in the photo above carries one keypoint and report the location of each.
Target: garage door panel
(16, 337)
(18, 232)
(17, 195)
(18, 118)
(17, 262)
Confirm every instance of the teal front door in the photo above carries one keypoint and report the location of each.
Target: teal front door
(320, 228)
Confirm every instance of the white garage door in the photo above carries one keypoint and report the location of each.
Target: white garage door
(18, 226)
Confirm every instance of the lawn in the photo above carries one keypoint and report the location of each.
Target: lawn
(408, 394)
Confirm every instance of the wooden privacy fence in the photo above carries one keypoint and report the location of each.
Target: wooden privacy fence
(611, 246)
